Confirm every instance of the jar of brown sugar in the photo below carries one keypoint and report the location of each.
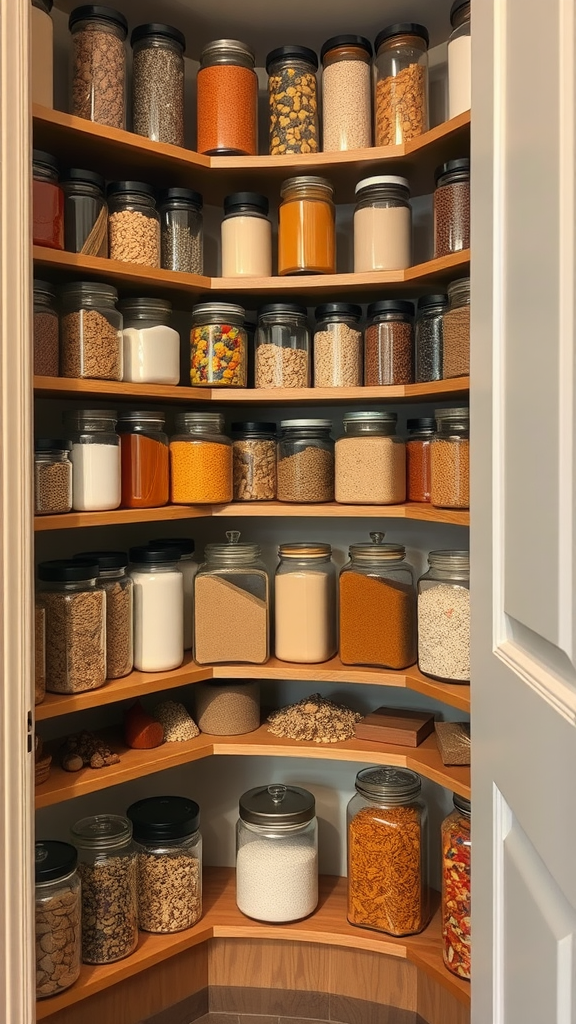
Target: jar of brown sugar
(456, 330)
(305, 461)
(450, 460)
(293, 101)
(306, 227)
(227, 100)
(401, 96)
(370, 460)
(346, 93)
(418, 445)
(134, 223)
(389, 343)
(46, 330)
(452, 207)
(99, 64)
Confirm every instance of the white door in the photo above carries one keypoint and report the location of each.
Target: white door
(523, 519)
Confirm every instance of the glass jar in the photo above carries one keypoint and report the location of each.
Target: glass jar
(133, 223)
(452, 207)
(456, 858)
(388, 888)
(305, 464)
(114, 580)
(145, 459)
(96, 473)
(370, 460)
(158, 83)
(52, 476)
(246, 236)
(346, 93)
(459, 59)
(382, 224)
(151, 347)
(169, 848)
(254, 461)
(47, 202)
(456, 330)
(305, 603)
(107, 869)
(338, 346)
(85, 213)
(389, 343)
(57, 917)
(282, 355)
(429, 334)
(39, 653)
(378, 606)
(218, 346)
(227, 100)
(306, 227)
(292, 90)
(182, 235)
(444, 617)
(99, 64)
(46, 330)
(450, 460)
(418, 455)
(90, 331)
(185, 547)
(75, 625)
(200, 460)
(277, 854)
(158, 608)
(42, 54)
(401, 96)
(231, 587)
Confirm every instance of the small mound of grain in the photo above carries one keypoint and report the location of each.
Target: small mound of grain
(179, 726)
(314, 718)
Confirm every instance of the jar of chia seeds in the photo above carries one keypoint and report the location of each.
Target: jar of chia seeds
(158, 83)
(389, 343)
(114, 580)
(218, 346)
(47, 202)
(456, 887)
(450, 460)
(90, 331)
(52, 476)
(85, 212)
(456, 330)
(452, 207)
(75, 625)
(292, 90)
(181, 224)
(401, 89)
(305, 465)
(134, 223)
(227, 100)
(200, 460)
(46, 330)
(428, 338)
(99, 64)
(346, 93)
(282, 355)
(57, 909)
(306, 227)
(444, 617)
(370, 460)
(338, 345)
(418, 455)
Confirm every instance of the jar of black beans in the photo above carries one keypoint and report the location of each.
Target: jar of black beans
(429, 337)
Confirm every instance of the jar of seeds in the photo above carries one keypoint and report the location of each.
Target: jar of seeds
(181, 230)
(282, 356)
(46, 330)
(91, 331)
(85, 212)
(456, 330)
(428, 340)
(52, 476)
(39, 653)
(444, 617)
(57, 917)
(117, 585)
(452, 207)
(158, 83)
(293, 100)
(388, 343)
(450, 460)
(99, 64)
(338, 345)
(134, 223)
(254, 461)
(370, 460)
(305, 465)
(346, 93)
(75, 625)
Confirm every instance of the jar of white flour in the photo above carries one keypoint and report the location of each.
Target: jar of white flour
(95, 458)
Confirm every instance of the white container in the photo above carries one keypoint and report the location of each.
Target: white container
(246, 236)
(459, 59)
(42, 57)
(158, 609)
(151, 345)
(382, 224)
(95, 458)
(305, 605)
(184, 546)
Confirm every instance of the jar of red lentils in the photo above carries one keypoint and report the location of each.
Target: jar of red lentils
(418, 443)
(200, 460)
(218, 346)
(227, 100)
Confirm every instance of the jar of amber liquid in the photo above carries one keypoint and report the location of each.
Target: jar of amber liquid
(306, 227)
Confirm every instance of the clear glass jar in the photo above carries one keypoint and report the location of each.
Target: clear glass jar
(418, 456)
(456, 330)
(388, 887)
(450, 460)
(227, 100)
(47, 202)
(338, 346)
(382, 224)
(254, 461)
(188, 566)
(401, 96)
(182, 232)
(52, 476)
(145, 459)
(452, 207)
(428, 340)
(305, 603)
(99, 64)
(169, 848)
(444, 617)
(246, 236)
(231, 586)
(46, 331)
(292, 90)
(57, 917)
(107, 870)
(158, 83)
(459, 59)
(42, 53)
(75, 625)
(277, 854)
(114, 580)
(370, 460)
(282, 355)
(389, 343)
(200, 460)
(306, 227)
(378, 606)
(218, 346)
(151, 347)
(133, 223)
(346, 93)
(85, 213)
(305, 465)
(90, 331)
(456, 860)
(158, 608)
(39, 653)
(95, 456)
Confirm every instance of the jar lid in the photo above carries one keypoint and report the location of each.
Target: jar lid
(131, 306)
(253, 427)
(317, 424)
(238, 201)
(398, 783)
(73, 417)
(402, 28)
(129, 416)
(233, 551)
(152, 29)
(53, 860)
(304, 549)
(346, 40)
(292, 52)
(461, 413)
(119, 187)
(425, 301)
(225, 47)
(308, 181)
(187, 195)
(377, 551)
(51, 444)
(449, 560)
(459, 289)
(82, 288)
(44, 287)
(282, 307)
(164, 817)
(370, 417)
(331, 308)
(461, 165)
(277, 805)
(49, 4)
(456, 7)
(422, 423)
(460, 802)
(201, 419)
(382, 179)
(101, 830)
(104, 559)
(39, 156)
(66, 570)
(185, 545)
(223, 308)
(102, 13)
(74, 174)
(154, 556)
(390, 306)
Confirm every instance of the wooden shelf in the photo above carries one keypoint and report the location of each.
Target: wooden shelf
(332, 510)
(120, 516)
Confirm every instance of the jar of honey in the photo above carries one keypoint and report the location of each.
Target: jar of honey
(145, 459)
(306, 227)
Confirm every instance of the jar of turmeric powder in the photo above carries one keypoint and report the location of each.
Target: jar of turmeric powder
(388, 888)
(306, 227)
(200, 460)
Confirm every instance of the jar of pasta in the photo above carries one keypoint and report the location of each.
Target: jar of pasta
(346, 93)
(85, 212)
(218, 346)
(401, 97)
(293, 100)
(306, 227)
(200, 460)
(450, 460)
(456, 851)
(282, 356)
(227, 100)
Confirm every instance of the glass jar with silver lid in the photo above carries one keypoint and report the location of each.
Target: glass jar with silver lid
(227, 100)
(218, 346)
(370, 460)
(305, 469)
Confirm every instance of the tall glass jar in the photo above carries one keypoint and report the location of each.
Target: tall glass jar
(57, 908)
(85, 212)
(114, 580)
(133, 223)
(388, 887)
(456, 858)
(292, 90)
(305, 609)
(401, 97)
(182, 237)
(169, 848)
(389, 343)
(42, 54)
(459, 59)
(418, 456)
(452, 207)
(158, 609)
(346, 93)
(429, 334)
(218, 346)
(95, 456)
(282, 356)
(378, 606)
(47, 202)
(75, 625)
(151, 346)
(52, 476)
(450, 460)
(254, 461)
(39, 653)
(382, 224)
(46, 330)
(370, 460)
(456, 330)
(200, 460)
(90, 331)
(277, 854)
(99, 64)
(185, 547)
(231, 586)
(306, 227)
(158, 83)
(444, 617)
(246, 236)
(107, 869)
(338, 346)
(305, 461)
(227, 100)
(145, 459)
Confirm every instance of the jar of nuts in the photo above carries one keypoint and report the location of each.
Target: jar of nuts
(254, 461)
(57, 917)
(133, 223)
(305, 463)
(282, 357)
(293, 101)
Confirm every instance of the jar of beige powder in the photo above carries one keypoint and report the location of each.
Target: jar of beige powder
(382, 224)
(305, 610)
(246, 236)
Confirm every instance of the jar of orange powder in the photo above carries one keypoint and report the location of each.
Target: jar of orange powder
(306, 227)
(200, 460)
(227, 100)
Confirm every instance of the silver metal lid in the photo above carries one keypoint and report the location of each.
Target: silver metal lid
(221, 50)
(370, 417)
(306, 181)
(304, 549)
(396, 784)
(101, 830)
(450, 560)
(223, 309)
(277, 805)
(320, 424)
(233, 552)
(462, 413)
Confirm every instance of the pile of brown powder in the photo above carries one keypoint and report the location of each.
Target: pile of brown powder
(314, 718)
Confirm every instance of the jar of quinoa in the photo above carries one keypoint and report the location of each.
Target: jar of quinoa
(218, 346)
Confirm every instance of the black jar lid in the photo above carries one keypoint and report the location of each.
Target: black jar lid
(96, 11)
(346, 40)
(422, 423)
(49, 4)
(164, 817)
(104, 559)
(154, 556)
(253, 427)
(331, 308)
(81, 175)
(66, 570)
(390, 306)
(185, 545)
(292, 52)
(462, 804)
(187, 195)
(402, 28)
(240, 201)
(53, 860)
(282, 307)
(440, 299)
(50, 444)
(44, 286)
(89, 288)
(461, 166)
(153, 29)
(141, 187)
(277, 805)
(456, 7)
(40, 156)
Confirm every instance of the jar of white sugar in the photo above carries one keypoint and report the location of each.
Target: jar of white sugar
(382, 224)
(151, 344)
(305, 592)
(95, 457)
(277, 854)
(188, 567)
(444, 617)
(158, 609)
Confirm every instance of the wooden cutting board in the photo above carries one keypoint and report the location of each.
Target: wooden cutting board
(395, 725)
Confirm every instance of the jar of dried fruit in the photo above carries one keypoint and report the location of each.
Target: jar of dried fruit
(200, 460)
(305, 461)
(227, 100)
(450, 460)
(57, 917)
(401, 97)
(218, 346)
(292, 91)
(456, 854)
(99, 64)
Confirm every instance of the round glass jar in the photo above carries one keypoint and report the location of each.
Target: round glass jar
(418, 456)
(151, 347)
(85, 212)
(57, 910)
(456, 330)
(389, 343)
(277, 854)
(90, 331)
(246, 236)
(158, 608)
(227, 100)
(185, 547)
(338, 346)
(42, 53)
(52, 476)
(182, 233)
(114, 580)
(200, 460)
(456, 860)
(133, 223)
(459, 59)
(428, 338)
(346, 93)
(145, 459)
(95, 456)
(99, 64)
(169, 854)
(401, 84)
(75, 625)
(47, 202)
(388, 887)
(305, 603)
(46, 330)
(452, 207)
(306, 227)
(39, 653)
(254, 461)
(370, 460)
(382, 224)
(218, 346)
(305, 467)
(444, 617)
(282, 355)
(450, 460)
(292, 90)
(158, 83)
(107, 870)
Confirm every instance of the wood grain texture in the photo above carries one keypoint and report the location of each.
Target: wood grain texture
(437, 1006)
(366, 975)
(120, 516)
(260, 963)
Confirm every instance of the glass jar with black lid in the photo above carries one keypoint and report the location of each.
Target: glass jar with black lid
(181, 230)
(90, 331)
(450, 460)
(133, 224)
(282, 354)
(75, 625)
(452, 207)
(305, 464)
(382, 224)
(338, 344)
(389, 342)
(401, 83)
(346, 93)
(246, 234)
(57, 912)
(459, 59)
(99, 64)
(52, 476)
(428, 338)
(85, 212)
(158, 83)
(254, 461)
(46, 330)
(292, 90)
